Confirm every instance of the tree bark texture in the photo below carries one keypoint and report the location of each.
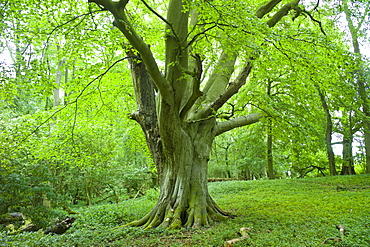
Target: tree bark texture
(184, 199)
(146, 114)
(181, 152)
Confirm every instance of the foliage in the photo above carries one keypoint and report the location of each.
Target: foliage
(83, 149)
(286, 212)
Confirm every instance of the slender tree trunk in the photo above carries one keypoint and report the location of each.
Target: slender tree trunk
(328, 132)
(360, 78)
(226, 148)
(146, 114)
(270, 164)
(366, 116)
(348, 164)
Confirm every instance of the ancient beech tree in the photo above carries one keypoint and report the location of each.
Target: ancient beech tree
(177, 109)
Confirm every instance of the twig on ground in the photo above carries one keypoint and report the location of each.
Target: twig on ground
(341, 229)
(244, 232)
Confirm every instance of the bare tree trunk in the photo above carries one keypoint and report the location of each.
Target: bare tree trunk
(328, 132)
(181, 156)
(348, 130)
(270, 164)
(146, 114)
(184, 198)
(360, 77)
(348, 164)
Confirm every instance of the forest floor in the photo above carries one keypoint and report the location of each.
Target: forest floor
(289, 212)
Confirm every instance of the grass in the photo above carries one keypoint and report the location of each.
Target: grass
(301, 212)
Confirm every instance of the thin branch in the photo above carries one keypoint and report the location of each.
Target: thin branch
(198, 34)
(68, 104)
(313, 19)
(38, 127)
(316, 6)
(99, 76)
(163, 19)
(71, 20)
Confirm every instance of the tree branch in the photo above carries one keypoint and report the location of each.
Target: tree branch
(231, 90)
(162, 18)
(222, 127)
(220, 77)
(196, 93)
(123, 24)
(75, 101)
(313, 19)
(265, 9)
(69, 21)
(282, 12)
(363, 17)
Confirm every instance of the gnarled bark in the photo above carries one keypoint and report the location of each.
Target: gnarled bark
(184, 199)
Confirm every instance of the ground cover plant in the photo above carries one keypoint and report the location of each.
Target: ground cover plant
(290, 212)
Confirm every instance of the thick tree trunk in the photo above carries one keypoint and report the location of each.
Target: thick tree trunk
(184, 199)
(181, 152)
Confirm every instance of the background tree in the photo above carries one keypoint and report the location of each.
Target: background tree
(356, 14)
(62, 152)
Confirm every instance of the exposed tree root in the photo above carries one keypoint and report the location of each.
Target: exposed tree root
(195, 216)
(244, 232)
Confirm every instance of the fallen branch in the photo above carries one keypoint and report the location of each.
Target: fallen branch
(244, 232)
(335, 240)
(341, 229)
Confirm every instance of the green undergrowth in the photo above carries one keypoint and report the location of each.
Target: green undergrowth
(287, 212)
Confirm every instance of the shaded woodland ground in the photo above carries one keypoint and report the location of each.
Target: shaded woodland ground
(289, 212)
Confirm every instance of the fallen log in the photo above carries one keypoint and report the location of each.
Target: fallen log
(60, 226)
